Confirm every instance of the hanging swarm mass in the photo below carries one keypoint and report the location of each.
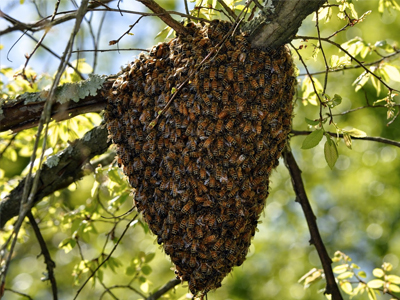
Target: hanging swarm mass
(201, 173)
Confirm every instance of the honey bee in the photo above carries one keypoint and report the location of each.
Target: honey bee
(192, 263)
(147, 172)
(213, 73)
(230, 139)
(206, 100)
(240, 173)
(204, 42)
(247, 71)
(182, 224)
(212, 182)
(206, 85)
(210, 239)
(175, 228)
(253, 83)
(202, 188)
(235, 55)
(221, 72)
(152, 157)
(229, 127)
(214, 84)
(199, 232)
(207, 143)
(171, 218)
(267, 63)
(240, 77)
(219, 126)
(214, 255)
(187, 207)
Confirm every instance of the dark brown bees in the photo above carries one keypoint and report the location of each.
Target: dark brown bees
(201, 168)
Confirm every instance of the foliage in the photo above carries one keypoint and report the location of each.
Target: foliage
(347, 91)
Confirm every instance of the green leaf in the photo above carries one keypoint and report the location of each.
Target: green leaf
(149, 257)
(375, 284)
(393, 279)
(331, 152)
(354, 266)
(394, 288)
(340, 269)
(392, 72)
(130, 270)
(312, 139)
(312, 122)
(377, 272)
(371, 294)
(346, 287)
(146, 270)
(336, 100)
(362, 274)
(345, 275)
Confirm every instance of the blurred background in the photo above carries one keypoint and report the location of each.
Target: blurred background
(356, 203)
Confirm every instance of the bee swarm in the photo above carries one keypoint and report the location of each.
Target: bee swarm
(201, 174)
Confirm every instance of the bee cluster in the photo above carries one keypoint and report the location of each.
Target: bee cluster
(201, 173)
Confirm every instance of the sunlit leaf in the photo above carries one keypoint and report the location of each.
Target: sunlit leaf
(345, 275)
(312, 122)
(356, 132)
(375, 283)
(394, 288)
(340, 269)
(312, 139)
(393, 279)
(362, 274)
(378, 273)
(346, 287)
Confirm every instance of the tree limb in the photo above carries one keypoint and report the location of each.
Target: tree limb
(67, 171)
(316, 240)
(279, 22)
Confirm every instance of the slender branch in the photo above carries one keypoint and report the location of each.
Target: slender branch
(107, 258)
(50, 264)
(351, 56)
(19, 293)
(229, 11)
(365, 138)
(316, 240)
(164, 289)
(164, 16)
(345, 68)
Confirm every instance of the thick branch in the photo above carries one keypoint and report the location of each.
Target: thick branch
(18, 115)
(278, 24)
(316, 240)
(67, 170)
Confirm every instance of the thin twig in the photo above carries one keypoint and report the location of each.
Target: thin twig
(316, 240)
(50, 264)
(30, 190)
(365, 138)
(227, 9)
(18, 293)
(323, 54)
(120, 286)
(187, 9)
(312, 81)
(113, 42)
(352, 57)
(107, 258)
(8, 145)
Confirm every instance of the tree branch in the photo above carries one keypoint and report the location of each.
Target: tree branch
(164, 289)
(19, 114)
(164, 16)
(279, 22)
(365, 138)
(316, 240)
(50, 264)
(67, 171)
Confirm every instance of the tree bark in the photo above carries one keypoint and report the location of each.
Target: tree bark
(65, 168)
